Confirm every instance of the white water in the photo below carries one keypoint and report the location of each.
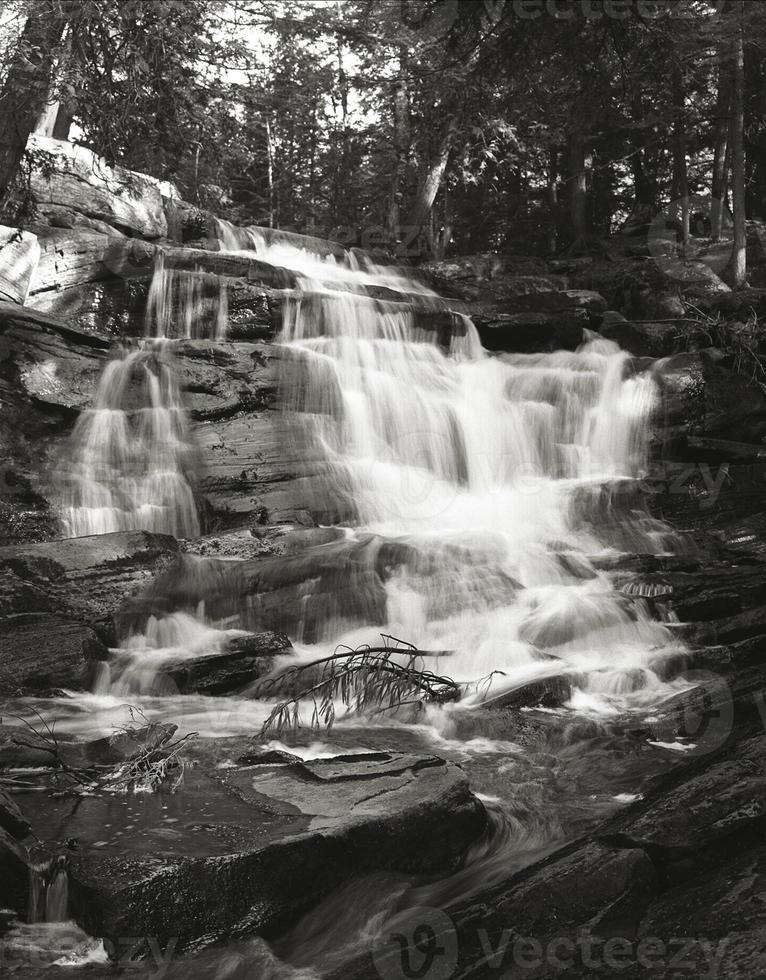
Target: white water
(504, 476)
(131, 453)
(186, 304)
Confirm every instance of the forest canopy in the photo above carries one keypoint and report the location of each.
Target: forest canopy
(418, 125)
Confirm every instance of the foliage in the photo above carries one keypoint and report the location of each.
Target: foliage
(329, 116)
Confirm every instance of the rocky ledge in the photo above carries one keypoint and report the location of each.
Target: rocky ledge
(249, 842)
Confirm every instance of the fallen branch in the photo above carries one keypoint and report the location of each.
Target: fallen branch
(368, 678)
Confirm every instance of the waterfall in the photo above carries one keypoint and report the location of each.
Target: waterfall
(48, 891)
(505, 477)
(187, 304)
(131, 454)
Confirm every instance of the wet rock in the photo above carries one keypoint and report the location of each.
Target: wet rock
(14, 873)
(252, 469)
(120, 746)
(529, 332)
(110, 308)
(220, 379)
(258, 846)
(88, 579)
(39, 651)
(70, 178)
(244, 660)
(550, 691)
(25, 747)
(12, 819)
(685, 864)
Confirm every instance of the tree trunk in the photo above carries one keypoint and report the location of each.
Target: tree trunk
(680, 190)
(718, 189)
(579, 194)
(402, 143)
(739, 255)
(28, 82)
(270, 171)
(553, 201)
(430, 184)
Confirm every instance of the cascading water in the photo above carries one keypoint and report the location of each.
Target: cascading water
(505, 477)
(188, 304)
(482, 496)
(132, 456)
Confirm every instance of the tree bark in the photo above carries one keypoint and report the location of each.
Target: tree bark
(553, 200)
(402, 142)
(28, 82)
(430, 183)
(579, 193)
(739, 254)
(680, 192)
(718, 188)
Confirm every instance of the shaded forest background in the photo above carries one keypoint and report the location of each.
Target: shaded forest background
(421, 126)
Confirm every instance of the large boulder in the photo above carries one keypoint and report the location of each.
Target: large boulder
(246, 849)
(646, 338)
(70, 181)
(55, 364)
(72, 257)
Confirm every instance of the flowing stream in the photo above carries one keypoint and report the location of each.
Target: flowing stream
(506, 482)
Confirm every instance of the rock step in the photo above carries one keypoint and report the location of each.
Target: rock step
(250, 848)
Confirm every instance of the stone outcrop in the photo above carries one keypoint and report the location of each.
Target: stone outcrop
(70, 183)
(259, 844)
(60, 598)
(41, 652)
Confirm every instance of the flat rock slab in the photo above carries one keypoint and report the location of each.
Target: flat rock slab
(245, 850)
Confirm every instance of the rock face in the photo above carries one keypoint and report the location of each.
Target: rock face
(75, 586)
(77, 184)
(258, 845)
(19, 255)
(40, 652)
(14, 871)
